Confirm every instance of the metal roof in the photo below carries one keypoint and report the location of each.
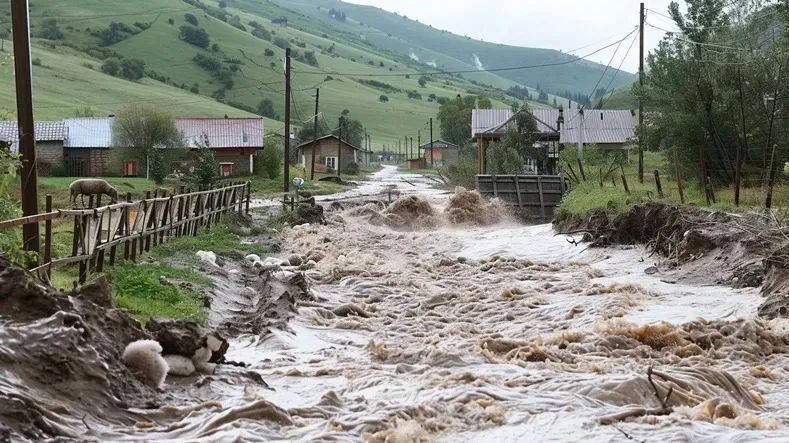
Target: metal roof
(44, 130)
(439, 144)
(325, 137)
(93, 132)
(600, 126)
(222, 132)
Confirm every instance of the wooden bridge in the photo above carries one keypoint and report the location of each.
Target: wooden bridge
(135, 225)
(527, 192)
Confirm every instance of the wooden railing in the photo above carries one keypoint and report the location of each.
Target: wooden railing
(135, 225)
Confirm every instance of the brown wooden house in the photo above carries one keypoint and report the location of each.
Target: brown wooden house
(329, 153)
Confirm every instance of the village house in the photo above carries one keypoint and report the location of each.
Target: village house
(87, 146)
(326, 154)
(49, 142)
(607, 129)
(234, 141)
(440, 153)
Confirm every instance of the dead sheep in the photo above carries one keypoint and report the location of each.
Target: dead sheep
(90, 186)
(144, 359)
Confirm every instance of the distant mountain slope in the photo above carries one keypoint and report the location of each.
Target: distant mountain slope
(360, 69)
(400, 34)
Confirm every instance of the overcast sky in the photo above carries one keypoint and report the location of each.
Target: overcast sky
(556, 24)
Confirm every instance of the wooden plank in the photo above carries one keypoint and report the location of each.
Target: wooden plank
(495, 187)
(518, 191)
(48, 234)
(60, 262)
(542, 200)
(50, 215)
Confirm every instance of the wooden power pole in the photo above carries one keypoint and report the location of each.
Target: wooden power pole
(24, 109)
(640, 100)
(339, 148)
(286, 174)
(432, 161)
(314, 135)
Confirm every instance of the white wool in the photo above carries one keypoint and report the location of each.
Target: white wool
(143, 345)
(272, 261)
(213, 343)
(180, 365)
(143, 357)
(207, 256)
(252, 258)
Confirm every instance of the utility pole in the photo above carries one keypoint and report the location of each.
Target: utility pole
(412, 148)
(24, 110)
(432, 161)
(640, 100)
(286, 175)
(314, 135)
(419, 145)
(339, 148)
(581, 135)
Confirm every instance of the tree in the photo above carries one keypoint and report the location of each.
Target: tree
(191, 19)
(111, 67)
(139, 129)
(281, 42)
(262, 33)
(422, 82)
(268, 52)
(269, 161)
(345, 112)
(455, 117)
(310, 59)
(195, 36)
(206, 168)
(132, 68)
(84, 112)
(49, 30)
(352, 132)
(222, 4)
(383, 98)
(266, 109)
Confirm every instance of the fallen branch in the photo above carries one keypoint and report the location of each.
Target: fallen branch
(664, 409)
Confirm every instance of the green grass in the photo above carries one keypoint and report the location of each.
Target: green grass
(66, 78)
(222, 239)
(140, 289)
(589, 195)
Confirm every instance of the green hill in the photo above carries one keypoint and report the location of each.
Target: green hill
(355, 61)
(621, 99)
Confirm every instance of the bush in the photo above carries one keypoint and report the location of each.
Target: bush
(281, 42)
(57, 170)
(36, 62)
(132, 68)
(310, 59)
(111, 67)
(235, 22)
(268, 53)
(383, 99)
(414, 95)
(266, 109)
(191, 19)
(195, 36)
(49, 30)
(262, 33)
(142, 26)
(206, 168)
(352, 168)
(270, 160)
(116, 32)
(171, 21)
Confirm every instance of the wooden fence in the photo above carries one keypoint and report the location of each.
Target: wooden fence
(135, 225)
(527, 192)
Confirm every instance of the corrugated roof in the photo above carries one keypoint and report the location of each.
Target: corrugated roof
(600, 126)
(222, 132)
(94, 132)
(44, 130)
(325, 137)
(439, 144)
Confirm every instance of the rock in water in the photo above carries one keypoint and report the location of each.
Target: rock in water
(185, 337)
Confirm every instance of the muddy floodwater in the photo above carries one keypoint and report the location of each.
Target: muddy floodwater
(496, 333)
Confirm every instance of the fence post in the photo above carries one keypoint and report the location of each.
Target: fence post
(679, 179)
(657, 183)
(712, 190)
(704, 179)
(581, 169)
(769, 200)
(211, 199)
(48, 240)
(83, 265)
(249, 193)
(159, 237)
(624, 183)
(127, 227)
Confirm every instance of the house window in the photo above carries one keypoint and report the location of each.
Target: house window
(331, 162)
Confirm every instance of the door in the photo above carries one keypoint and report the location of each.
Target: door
(226, 169)
(130, 168)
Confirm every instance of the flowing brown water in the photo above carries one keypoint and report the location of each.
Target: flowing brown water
(459, 332)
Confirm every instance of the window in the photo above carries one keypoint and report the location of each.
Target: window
(331, 162)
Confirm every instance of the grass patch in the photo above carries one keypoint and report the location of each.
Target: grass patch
(221, 239)
(141, 289)
(590, 195)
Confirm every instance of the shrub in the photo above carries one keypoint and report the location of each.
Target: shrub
(195, 36)
(371, 63)
(206, 168)
(383, 99)
(310, 59)
(36, 62)
(281, 42)
(352, 168)
(194, 90)
(191, 19)
(414, 95)
(114, 33)
(57, 170)
(87, 65)
(171, 21)
(262, 33)
(268, 53)
(111, 67)
(266, 109)
(132, 68)
(142, 26)
(235, 22)
(270, 159)
(49, 30)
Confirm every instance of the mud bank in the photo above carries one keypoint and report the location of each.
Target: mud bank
(688, 243)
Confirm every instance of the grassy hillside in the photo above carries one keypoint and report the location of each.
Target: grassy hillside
(621, 99)
(242, 69)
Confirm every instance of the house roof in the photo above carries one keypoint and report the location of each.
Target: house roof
(325, 137)
(91, 132)
(600, 126)
(44, 130)
(222, 132)
(439, 144)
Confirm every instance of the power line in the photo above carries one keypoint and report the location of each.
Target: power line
(469, 71)
(602, 102)
(711, 45)
(601, 77)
